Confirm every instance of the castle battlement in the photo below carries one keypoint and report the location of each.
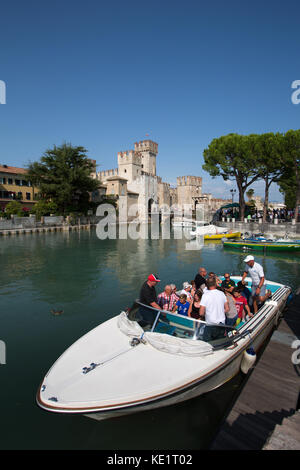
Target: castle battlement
(189, 181)
(146, 146)
(129, 156)
(103, 175)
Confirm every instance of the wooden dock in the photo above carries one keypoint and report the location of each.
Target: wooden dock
(45, 229)
(265, 414)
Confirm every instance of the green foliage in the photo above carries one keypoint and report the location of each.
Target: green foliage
(233, 157)
(42, 208)
(274, 158)
(13, 208)
(63, 177)
(270, 160)
(289, 182)
(250, 193)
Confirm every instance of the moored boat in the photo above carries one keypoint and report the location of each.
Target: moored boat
(220, 236)
(209, 229)
(146, 358)
(262, 246)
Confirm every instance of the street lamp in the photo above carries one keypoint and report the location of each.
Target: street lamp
(233, 191)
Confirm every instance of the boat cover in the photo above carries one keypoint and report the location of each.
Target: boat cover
(164, 342)
(173, 345)
(129, 327)
(210, 229)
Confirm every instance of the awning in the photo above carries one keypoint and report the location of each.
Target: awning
(234, 204)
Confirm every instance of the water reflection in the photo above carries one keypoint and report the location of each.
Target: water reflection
(92, 280)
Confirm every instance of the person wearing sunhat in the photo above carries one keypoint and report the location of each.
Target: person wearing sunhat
(148, 294)
(259, 289)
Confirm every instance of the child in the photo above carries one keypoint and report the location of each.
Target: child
(182, 306)
(232, 314)
(241, 304)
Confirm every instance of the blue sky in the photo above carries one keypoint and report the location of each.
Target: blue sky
(104, 74)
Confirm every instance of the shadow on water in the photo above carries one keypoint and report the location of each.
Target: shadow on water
(187, 425)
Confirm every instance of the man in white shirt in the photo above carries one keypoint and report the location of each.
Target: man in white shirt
(213, 305)
(256, 272)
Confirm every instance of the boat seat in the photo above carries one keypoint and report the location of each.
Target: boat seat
(164, 328)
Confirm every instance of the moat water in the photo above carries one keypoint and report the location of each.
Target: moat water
(92, 280)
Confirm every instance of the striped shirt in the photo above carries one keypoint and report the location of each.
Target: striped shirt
(167, 302)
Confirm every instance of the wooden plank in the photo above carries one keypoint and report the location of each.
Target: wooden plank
(270, 394)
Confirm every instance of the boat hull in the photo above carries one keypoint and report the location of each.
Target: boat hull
(219, 236)
(265, 247)
(222, 368)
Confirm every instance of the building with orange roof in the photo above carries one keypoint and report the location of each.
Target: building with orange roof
(13, 186)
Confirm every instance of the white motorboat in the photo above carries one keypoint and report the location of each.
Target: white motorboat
(209, 229)
(186, 222)
(145, 358)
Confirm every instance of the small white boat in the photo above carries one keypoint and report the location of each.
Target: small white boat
(208, 230)
(145, 358)
(187, 223)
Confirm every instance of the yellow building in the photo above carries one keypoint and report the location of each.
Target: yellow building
(13, 186)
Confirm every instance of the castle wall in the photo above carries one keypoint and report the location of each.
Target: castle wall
(163, 193)
(147, 189)
(103, 175)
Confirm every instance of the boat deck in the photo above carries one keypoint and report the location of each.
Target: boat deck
(269, 399)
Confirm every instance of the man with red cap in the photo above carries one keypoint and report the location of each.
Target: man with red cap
(148, 293)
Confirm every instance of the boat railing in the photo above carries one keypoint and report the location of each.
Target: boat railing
(171, 323)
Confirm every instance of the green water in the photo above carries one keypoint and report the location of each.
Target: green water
(92, 280)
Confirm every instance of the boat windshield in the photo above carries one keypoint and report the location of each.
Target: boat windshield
(173, 324)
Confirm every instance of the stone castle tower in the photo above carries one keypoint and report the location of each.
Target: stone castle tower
(141, 161)
(188, 187)
(147, 150)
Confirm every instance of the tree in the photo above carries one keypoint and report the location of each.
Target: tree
(287, 186)
(233, 157)
(270, 160)
(290, 180)
(63, 177)
(250, 194)
(14, 208)
(42, 208)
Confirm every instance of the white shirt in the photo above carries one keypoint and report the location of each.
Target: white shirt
(189, 297)
(214, 302)
(256, 273)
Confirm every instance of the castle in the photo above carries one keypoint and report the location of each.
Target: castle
(135, 182)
